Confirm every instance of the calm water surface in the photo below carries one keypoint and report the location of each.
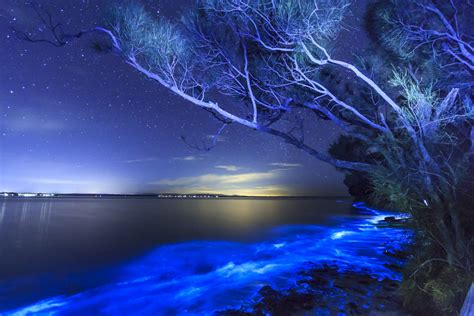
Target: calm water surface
(163, 256)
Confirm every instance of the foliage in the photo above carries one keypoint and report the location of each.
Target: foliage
(430, 286)
(389, 191)
(290, 19)
(435, 33)
(157, 44)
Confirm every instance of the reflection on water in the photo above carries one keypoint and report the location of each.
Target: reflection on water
(207, 274)
(2, 213)
(23, 229)
(43, 223)
(71, 234)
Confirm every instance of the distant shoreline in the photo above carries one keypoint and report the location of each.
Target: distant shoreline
(160, 196)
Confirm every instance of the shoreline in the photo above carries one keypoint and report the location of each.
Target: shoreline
(336, 287)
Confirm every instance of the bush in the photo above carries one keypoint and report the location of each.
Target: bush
(432, 287)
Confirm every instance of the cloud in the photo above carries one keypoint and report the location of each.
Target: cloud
(218, 179)
(34, 123)
(139, 160)
(58, 181)
(267, 190)
(92, 183)
(229, 167)
(286, 165)
(188, 158)
(252, 183)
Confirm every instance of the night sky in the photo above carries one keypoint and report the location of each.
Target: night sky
(74, 120)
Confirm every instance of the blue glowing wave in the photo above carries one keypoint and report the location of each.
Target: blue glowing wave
(198, 278)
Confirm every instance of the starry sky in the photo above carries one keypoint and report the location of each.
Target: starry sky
(75, 120)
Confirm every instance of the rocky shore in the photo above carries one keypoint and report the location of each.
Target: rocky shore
(333, 288)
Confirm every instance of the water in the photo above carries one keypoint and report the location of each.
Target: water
(149, 256)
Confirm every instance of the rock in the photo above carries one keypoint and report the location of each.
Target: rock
(392, 221)
(399, 254)
(327, 289)
(233, 313)
(394, 267)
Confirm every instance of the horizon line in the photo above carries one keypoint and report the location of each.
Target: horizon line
(175, 193)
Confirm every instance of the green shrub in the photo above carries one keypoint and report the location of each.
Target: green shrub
(432, 287)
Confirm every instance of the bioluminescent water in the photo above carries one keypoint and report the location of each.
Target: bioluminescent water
(201, 277)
